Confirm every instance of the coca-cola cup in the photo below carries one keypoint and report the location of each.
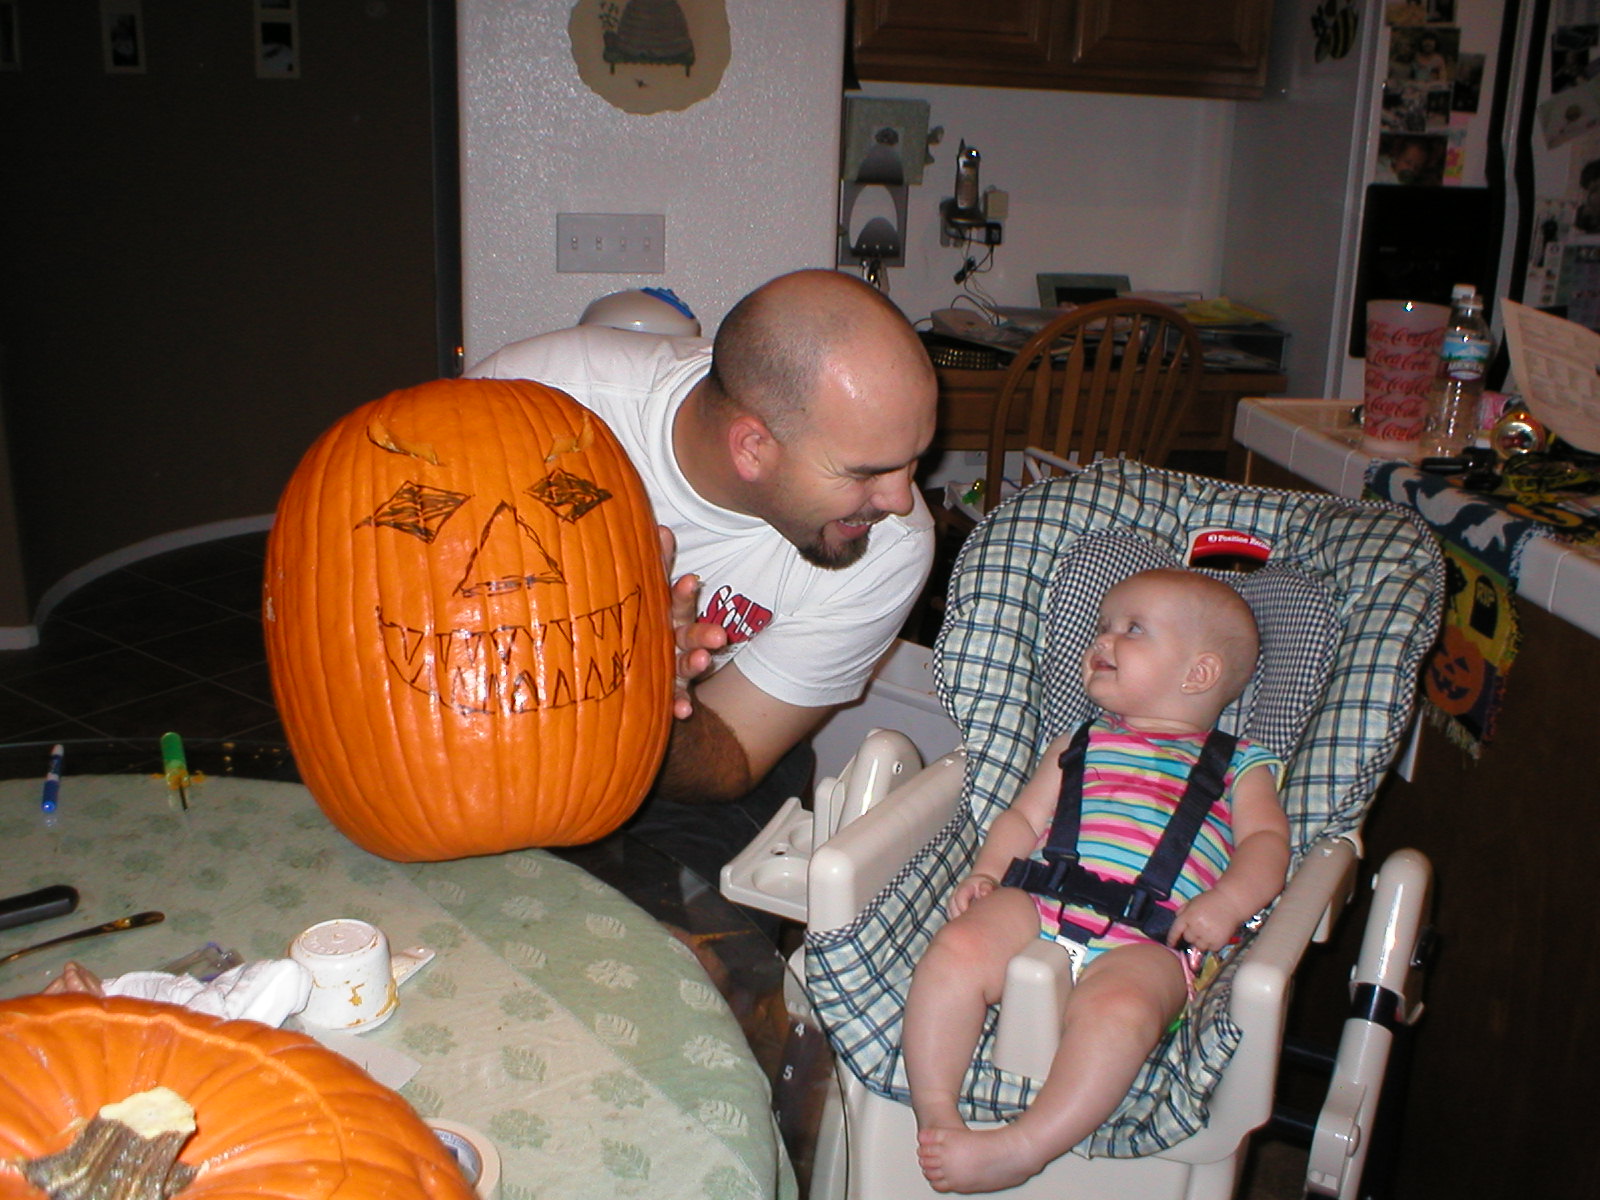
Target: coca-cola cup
(1402, 355)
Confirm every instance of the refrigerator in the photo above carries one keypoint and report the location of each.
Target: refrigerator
(1404, 147)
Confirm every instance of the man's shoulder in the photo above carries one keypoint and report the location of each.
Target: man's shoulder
(907, 536)
(593, 352)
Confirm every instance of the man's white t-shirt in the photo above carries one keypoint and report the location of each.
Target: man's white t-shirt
(802, 634)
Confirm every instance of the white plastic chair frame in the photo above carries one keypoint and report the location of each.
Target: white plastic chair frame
(851, 869)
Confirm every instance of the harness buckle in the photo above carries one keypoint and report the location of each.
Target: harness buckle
(1060, 868)
(1136, 907)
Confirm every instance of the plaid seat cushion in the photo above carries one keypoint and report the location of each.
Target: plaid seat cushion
(1295, 617)
(1373, 573)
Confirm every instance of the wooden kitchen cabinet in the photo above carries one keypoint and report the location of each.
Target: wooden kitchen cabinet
(1167, 47)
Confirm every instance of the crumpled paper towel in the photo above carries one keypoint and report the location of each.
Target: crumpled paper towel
(269, 991)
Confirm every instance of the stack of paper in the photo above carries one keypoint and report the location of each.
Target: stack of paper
(1557, 368)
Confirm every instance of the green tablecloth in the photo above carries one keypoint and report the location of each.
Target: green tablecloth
(558, 1019)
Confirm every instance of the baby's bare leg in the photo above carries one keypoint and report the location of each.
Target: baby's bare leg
(960, 975)
(1115, 1015)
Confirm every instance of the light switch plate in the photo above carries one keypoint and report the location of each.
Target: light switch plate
(611, 243)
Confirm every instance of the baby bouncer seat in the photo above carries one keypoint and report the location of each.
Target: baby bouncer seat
(1347, 601)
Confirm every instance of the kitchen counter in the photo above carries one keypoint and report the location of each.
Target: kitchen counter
(1320, 441)
(1498, 1099)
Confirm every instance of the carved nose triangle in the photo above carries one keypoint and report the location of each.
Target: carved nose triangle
(507, 549)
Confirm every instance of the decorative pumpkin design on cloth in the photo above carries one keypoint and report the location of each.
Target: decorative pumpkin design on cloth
(273, 1112)
(468, 623)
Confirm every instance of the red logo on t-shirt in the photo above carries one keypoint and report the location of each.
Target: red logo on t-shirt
(741, 616)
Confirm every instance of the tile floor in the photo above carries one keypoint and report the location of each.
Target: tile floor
(173, 642)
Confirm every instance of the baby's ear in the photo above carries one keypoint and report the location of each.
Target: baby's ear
(1204, 673)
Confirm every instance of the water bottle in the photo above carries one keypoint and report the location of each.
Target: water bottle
(1458, 386)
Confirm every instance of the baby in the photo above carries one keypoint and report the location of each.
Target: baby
(1172, 649)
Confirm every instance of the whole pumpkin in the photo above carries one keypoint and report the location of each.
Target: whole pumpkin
(276, 1114)
(468, 623)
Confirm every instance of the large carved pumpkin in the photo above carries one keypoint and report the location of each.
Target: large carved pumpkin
(468, 623)
(275, 1114)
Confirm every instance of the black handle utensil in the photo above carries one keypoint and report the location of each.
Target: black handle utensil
(56, 900)
(138, 920)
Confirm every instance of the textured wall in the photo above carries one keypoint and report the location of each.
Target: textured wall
(1136, 185)
(203, 269)
(745, 178)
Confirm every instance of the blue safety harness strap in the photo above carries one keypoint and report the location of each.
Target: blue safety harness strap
(1062, 877)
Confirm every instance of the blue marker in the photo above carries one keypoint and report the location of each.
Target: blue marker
(52, 781)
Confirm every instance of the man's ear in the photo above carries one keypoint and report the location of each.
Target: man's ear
(1204, 673)
(751, 446)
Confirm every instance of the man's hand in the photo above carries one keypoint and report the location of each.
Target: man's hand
(694, 641)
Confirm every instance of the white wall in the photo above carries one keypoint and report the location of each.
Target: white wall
(1135, 185)
(748, 181)
(745, 178)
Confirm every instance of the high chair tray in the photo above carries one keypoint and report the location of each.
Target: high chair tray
(770, 873)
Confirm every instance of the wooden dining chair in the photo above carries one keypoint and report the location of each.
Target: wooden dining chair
(1070, 401)
(1112, 379)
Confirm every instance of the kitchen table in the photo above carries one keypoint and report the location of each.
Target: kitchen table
(579, 1034)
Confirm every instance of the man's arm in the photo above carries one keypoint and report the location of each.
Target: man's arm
(735, 734)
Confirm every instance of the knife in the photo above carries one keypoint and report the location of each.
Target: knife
(136, 921)
(56, 900)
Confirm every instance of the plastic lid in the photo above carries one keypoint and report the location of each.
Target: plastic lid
(645, 310)
(671, 297)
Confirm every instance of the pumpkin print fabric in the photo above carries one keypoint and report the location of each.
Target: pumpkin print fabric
(468, 623)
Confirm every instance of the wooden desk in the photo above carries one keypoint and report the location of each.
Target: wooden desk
(966, 400)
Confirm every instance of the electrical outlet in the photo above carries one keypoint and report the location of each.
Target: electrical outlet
(611, 243)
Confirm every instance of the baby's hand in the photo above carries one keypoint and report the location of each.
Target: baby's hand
(1208, 922)
(973, 887)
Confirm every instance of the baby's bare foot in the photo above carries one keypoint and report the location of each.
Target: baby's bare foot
(972, 1160)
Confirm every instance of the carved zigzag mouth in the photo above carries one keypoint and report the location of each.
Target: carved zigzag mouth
(513, 669)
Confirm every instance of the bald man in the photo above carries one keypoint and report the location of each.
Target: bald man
(780, 459)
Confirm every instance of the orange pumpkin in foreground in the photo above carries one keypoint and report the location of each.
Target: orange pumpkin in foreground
(468, 623)
(275, 1113)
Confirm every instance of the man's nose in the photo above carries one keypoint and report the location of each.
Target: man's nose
(894, 491)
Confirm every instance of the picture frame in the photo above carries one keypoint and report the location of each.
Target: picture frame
(277, 28)
(10, 36)
(1058, 289)
(122, 36)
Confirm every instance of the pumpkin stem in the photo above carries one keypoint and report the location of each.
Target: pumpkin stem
(128, 1151)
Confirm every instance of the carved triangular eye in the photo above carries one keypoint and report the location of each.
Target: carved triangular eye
(417, 509)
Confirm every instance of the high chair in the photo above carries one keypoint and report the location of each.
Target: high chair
(1347, 597)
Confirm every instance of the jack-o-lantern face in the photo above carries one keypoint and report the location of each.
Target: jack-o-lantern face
(1455, 675)
(464, 584)
(504, 665)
